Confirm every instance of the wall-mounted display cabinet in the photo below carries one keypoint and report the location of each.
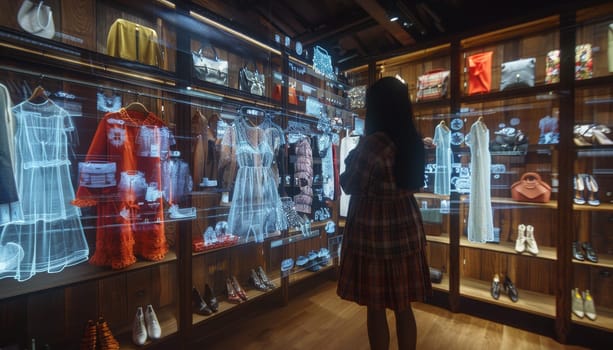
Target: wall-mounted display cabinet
(516, 106)
(157, 172)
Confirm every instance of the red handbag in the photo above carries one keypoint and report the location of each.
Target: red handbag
(479, 72)
(530, 188)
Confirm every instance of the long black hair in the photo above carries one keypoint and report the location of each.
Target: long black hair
(388, 109)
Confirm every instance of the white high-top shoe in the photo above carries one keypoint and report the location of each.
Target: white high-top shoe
(139, 333)
(520, 242)
(530, 241)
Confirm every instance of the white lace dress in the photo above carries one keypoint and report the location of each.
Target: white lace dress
(51, 235)
(256, 211)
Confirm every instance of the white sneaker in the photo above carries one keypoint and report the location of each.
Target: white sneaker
(530, 241)
(139, 333)
(179, 213)
(577, 303)
(153, 326)
(520, 242)
(588, 305)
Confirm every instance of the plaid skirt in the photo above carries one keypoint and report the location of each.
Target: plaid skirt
(384, 283)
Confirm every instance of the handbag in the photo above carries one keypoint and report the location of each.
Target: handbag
(530, 188)
(436, 275)
(432, 85)
(552, 67)
(583, 61)
(214, 70)
(479, 72)
(36, 19)
(357, 97)
(292, 98)
(322, 63)
(313, 107)
(106, 103)
(97, 174)
(509, 139)
(251, 81)
(517, 74)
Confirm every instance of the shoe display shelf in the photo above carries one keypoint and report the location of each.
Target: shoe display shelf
(592, 170)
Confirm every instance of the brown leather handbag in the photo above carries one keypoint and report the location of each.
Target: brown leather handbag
(530, 188)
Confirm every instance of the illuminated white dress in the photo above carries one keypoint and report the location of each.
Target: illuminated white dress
(51, 234)
(480, 219)
(256, 210)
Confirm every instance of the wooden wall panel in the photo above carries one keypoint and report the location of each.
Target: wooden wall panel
(78, 20)
(80, 306)
(113, 300)
(46, 316)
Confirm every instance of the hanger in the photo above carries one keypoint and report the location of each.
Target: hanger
(443, 125)
(137, 107)
(38, 95)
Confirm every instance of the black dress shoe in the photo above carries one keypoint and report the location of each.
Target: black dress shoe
(590, 254)
(198, 304)
(510, 289)
(210, 299)
(577, 253)
(495, 290)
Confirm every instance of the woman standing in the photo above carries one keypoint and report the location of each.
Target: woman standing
(383, 262)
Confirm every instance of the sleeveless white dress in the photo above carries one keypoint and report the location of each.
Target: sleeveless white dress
(480, 219)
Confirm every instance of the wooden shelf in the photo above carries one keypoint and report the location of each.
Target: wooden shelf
(72, 275)
(444, 238)
(443, 286)
(548, 253)
(302, 273)
(531, 302)
(604, 260)
(225, 306)
(506, 200)
(604, 319)
(587, 207)
(425, 195)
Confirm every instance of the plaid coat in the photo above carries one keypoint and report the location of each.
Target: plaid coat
(383, 261)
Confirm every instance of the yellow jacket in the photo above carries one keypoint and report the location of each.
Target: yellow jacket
(132, 41)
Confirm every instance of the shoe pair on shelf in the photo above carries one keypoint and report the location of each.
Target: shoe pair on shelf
(181, 213)
(236, 293)
(586, 190)
(98, 335)
(591, 134)
(260, 280)
(145, 325)
(507, 285)
(584, 250)
(583, 304)
(204, 305)
(525, 240)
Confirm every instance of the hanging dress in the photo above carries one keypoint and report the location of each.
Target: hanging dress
(480, 219)
(51, 234)
(130, 215)
(442, 176)
(256, 210)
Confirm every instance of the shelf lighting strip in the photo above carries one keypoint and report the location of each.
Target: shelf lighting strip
(88, 65)
(231, 31)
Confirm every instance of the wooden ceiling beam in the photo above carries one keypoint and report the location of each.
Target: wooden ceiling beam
(377, 12)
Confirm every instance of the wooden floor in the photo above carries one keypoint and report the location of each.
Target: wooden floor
(318, 320)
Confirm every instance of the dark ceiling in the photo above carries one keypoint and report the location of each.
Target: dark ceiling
(354, 30)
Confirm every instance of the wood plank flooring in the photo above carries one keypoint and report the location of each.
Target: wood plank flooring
(317, 319)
